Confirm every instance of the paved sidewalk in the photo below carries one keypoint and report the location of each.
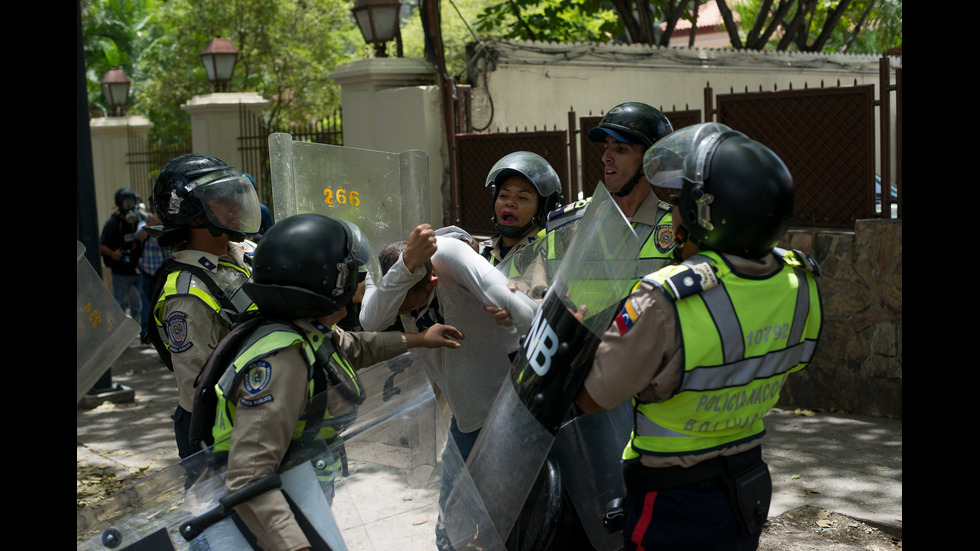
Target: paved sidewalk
(847, 464)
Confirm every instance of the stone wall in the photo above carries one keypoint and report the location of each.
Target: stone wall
(858, 364)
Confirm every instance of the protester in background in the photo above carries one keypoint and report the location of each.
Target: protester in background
(440, 279)
(153, 256)
(121, 250)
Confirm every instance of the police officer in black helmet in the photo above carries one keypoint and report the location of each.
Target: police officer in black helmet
(206, 208)
(305, 275)
(627, 130)
(702, 348)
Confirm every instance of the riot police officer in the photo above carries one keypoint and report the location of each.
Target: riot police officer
(702, 348)
(627, 130)
(524, 188)
(205, 208)
(305, 275)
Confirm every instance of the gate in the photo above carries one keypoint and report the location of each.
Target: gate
(826, 137)
(476, 155)
(145, 162)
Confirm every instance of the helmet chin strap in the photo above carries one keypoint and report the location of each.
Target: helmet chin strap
(512, 232)
(215, 231)
(630, 185)
(680, 238)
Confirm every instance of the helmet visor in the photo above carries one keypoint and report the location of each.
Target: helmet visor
(679, 155)
(363, 252)
(231, 203)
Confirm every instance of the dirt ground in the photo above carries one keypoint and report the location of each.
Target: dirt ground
(812, 529)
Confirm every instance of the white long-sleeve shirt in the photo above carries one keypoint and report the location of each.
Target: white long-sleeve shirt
(471, 375)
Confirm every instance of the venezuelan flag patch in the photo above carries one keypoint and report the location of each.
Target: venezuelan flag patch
(629, 315)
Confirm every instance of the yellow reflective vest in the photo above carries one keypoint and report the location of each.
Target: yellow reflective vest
(741, 338)
(657, 240)
(181, 282)
(316, 349)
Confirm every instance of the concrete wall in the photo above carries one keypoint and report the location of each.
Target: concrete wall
(110, 144)
(536, 83)
(858, 363)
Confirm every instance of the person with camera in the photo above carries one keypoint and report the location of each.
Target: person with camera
(121, 250)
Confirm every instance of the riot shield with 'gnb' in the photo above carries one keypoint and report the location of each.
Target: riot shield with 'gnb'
(584, 294)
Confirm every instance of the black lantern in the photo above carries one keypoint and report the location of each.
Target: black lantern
(115, 88)
(378, 21)
(219, 56)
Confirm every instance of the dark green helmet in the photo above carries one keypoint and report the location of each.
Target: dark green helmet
(535, 169)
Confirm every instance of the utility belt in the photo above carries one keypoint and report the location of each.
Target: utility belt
(744, 475)
(647, 479)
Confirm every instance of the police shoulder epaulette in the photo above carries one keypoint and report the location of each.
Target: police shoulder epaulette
(797, 259)
(567, 213)
(688, 280)
(661, 204)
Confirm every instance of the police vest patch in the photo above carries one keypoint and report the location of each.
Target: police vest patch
(664, 235)
(257, 377)
(177, 332)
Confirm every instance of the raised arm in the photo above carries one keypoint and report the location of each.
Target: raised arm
(484, 281)
(380, 305)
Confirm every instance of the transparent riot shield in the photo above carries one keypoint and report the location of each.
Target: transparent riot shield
(385, 194)
(582, 298)
(367, 489)
(103, 330)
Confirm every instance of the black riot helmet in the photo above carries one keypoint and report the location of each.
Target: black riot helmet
(632, 123)
(203, 188)
(535, 169)
(307, 266)
(736, 197)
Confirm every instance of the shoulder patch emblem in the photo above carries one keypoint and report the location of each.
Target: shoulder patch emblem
(177, 332)
(628, 316)
(664, 234)
(257, 377)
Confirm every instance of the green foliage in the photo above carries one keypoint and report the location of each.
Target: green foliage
(551, 20)
(458, 19)
(286, 50)
(851, 26)
(116, 33)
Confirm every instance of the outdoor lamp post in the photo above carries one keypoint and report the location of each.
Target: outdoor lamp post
(378, 21)
(219, 56)
(115, 87)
